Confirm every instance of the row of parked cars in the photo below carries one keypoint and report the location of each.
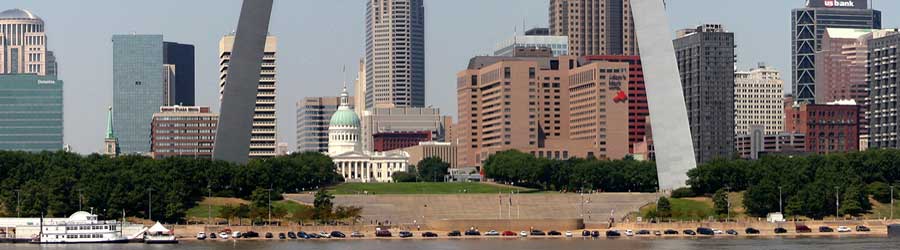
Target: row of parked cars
(269, 235)
(713, 231)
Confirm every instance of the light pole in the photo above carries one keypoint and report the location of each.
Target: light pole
(208, 204)
(150, 204)
(269, 194)
(837, 203)
(892, 202)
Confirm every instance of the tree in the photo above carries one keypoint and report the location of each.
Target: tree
(404, 177)
(684, 192)
(720, 202)
(880, 191)
(323, 205)
(663, 208)
(432, 169)
(260, 197)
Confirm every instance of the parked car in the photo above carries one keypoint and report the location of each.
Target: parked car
(212, 235)
(731, 232)
(405, 234)
(843, 229)
(251, 234)
(473, 232)
(303, 235)
(357, 234)
(324, 235)
(509, 233)
(643, 232)
(382, 233)
(237, 234)
(800, 228)
(585, 233)
(705, 231)
(268, 235)
(224, 235)
(657, 232)
(613, 233)
(292, 235)
(670, 232)
(717, 231)
(825, 229)
(554, 233)
(862, 228)
(492, 233)
(595, 233)
(282, 236)
(201, 236)
(454, 233)
(523, 234)
(780, 230)
(689, 232)
(429, 235)
(536, 232)
(569, 234)
(338, 234)
(751, 230)
(628, 232)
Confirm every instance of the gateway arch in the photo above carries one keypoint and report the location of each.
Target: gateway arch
(669, 121)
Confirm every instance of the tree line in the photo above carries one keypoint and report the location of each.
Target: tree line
(56, 184)
(813, 186)
(574, 174)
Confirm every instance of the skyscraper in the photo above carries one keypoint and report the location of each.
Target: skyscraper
(23, 44)
(706, 62)
(759, 100)
(179, 58)
(883, 97)
(808, 28)
(263, 136)
(534, 38)
(138, 88)
(143, 81)
(395, 53)
(31, 113)
(594, 27)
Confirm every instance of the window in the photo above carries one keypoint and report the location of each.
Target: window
(507, 73)
(531, 73)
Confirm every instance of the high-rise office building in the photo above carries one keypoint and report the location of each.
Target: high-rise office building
(183, 131)
(23, 44)
(389, 120)
(638, 107)
(809, 25)
(143, 82)
(179, 61)
(313, 114)
(534, 38)
(827, 128)
(550, 107)
(594, 27)
(883, 95)
(758, 100)
(395, 53)
(31, 113)
(264, 133)
(705, 57)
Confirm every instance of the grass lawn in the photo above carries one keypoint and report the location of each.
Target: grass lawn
(217, 203)
(423, 188)
(880, 210)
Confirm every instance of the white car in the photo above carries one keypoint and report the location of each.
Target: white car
(717, 231)
(223, 235)
(843, 229)
(492, 233)
(569, 234)
(629, 232)
(523, 234)
(201, 236)
(324, 235)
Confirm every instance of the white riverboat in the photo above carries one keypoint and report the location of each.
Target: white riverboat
(81, 227)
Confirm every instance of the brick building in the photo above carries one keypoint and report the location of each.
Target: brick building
(183, 131)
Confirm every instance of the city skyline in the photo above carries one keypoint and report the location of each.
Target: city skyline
(445, 51)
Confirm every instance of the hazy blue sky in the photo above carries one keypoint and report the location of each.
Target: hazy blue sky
(316, 38)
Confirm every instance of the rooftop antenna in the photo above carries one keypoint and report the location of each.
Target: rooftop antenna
(344, 76)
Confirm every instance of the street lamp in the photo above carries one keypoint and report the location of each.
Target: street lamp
(892, 201)
(18, 202)
(837, 203)
(780, 206)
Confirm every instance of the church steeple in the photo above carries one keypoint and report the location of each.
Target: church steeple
(109, 124)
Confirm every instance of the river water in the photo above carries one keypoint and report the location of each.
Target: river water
(510, 244)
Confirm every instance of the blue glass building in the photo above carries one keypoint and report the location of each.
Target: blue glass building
(31, 113)
(138, 89)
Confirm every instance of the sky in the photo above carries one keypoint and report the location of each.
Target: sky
(317, 38)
